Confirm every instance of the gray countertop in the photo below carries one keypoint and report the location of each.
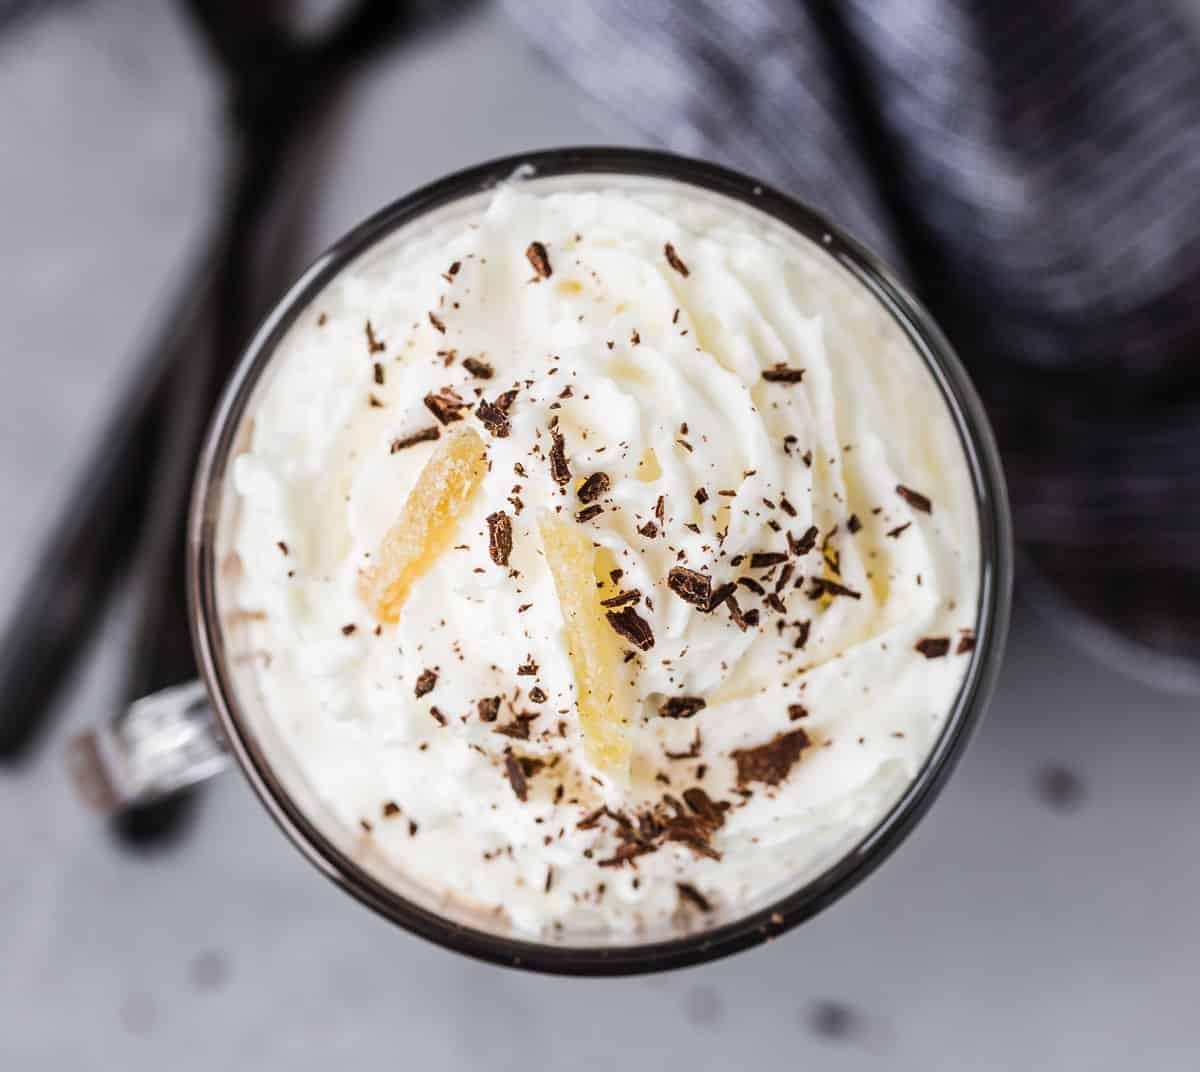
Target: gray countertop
(1045, 915)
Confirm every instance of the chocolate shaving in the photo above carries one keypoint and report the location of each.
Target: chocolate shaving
(649, 530)
(438, 717)
(895, 533)
(390, 809)
(796, 712)
(374, 345)
(481, 370)
(426, 680)
(446, 405)
(775, 603)
(488, 708)
(770, 763)
(720, 595)
(379, 378)
(915, 499)
(802, 631)
(527, 669)
(589, 512)
(425, 435)
(783, 374)
(560, 471)
(536, 254)
(493, 419)
(701, 496)
(518, 729)
(674, 261)
(742, 619)
(693, 896)
(766, 559)
(753, 585)
(500, 537)
(632, 596)
(933, 647)
(632, 626)
(593, 487)
(853, 524)
(537, 694)
(437, 322)
(682, 706)
(660, 508)
(785, 575)
(806, 542)
(516, 777)
(821, 586)
(504, 403)
(966, 642)
(349, 630)
(692, 587)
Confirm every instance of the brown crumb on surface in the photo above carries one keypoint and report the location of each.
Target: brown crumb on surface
(853, 524)
(426, 680)
(682, 706)
(782, 373)
(349, 630)
(375, 345)
(516, 777)
(770, 763)
(500, 537)
(446, 405)
(437, 322)
(390, 809)
(488, 708)
(593, 487)
(933, 647)
(674, 260)
(915, 499)
(632, 626)
(796, 712)
(537, 256)
(424, 435)
(493, 419)
(691, 586)
(481, 370)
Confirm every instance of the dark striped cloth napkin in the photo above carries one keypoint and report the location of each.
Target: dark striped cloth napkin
(1033, 169)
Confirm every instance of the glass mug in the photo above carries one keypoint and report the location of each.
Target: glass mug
(190, 732)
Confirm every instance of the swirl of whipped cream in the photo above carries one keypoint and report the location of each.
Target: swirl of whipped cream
(749, 416)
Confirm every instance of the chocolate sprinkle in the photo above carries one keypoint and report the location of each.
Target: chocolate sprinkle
(692, 587)
(425, 435)
(933, 647)
(806, 542)
(493, 419)
(500, 537)
(374, 345)
(426, 680)
(682, 706)
(634, 595)
(783, 374)
(446, 406)
(674, 261)
(488, 708)
(766, 559)
(516, 777)
(821, 586)
(536, 254)
(560, 471)
(770, 763)
(593, 487)
(632, 626)
(915, 499)
(481, 370)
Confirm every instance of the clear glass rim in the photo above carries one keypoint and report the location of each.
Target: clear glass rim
(995, 580)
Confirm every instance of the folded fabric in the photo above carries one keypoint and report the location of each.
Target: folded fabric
(1033, 170)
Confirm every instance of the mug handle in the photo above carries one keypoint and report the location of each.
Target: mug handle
(164, 742)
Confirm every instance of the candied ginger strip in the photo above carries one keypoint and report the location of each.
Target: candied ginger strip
(427, 522)
(591, 643)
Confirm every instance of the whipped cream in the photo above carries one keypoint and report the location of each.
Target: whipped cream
(759, 420)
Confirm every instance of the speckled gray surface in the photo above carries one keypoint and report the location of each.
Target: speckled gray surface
(1007, 933)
